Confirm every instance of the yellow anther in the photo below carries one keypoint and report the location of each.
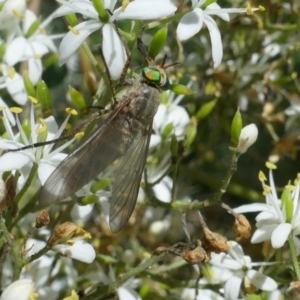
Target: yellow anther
(16, 109)
(294, 75)
(249, 10)
(271, 166)
(42, 30)
(290, 187)
(267, 189)
(79, 134)
(38, 56)
(261, 176)
(71, 111)
(124, 4)
(11, 73)
(41, 129)
(261, 8)
(70, 242)
(32, 99)
(42, 121)
(75, 31)
(18, 13)
(2, 108)
(68, 126)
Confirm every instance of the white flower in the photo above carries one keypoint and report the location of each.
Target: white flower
(193, 21)
(274, 222)
(11, 14)
(169, 114)
(21, 289)
(247, 138)
(80, 250)
(241, 266)
(43, 156)
(203, 294)
(13, 82)
(30, 48)
(112, 47)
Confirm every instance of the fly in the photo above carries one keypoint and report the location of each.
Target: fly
(124, 135)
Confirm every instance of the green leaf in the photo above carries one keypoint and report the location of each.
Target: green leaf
(90, 199)
(181, 89)
(101, 185)
(206, 109)
(158, 42)
(33, 28)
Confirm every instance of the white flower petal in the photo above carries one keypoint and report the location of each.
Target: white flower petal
(20, 289)
(15, 51)
(8, 114)
(16, 89)
(126, 294)
(80, 250)
(46, 166)
(81, 212)
(30, 17)
(113, 51)
(190, 24)
(216, 41)
(232, 287)
(15, 160)
(263, 234)
(254, 207)
(35, 68)
(214, 8)
(84, 7)
(261, 281)
(162, 190)
(280, 235)
(145, 10)
(71, 42)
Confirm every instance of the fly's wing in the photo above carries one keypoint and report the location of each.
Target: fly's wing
(103, 147)
(127, 181)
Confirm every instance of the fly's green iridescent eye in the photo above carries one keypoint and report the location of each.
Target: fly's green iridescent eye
(155, 75)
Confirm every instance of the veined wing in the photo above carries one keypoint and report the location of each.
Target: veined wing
(102, 147)
(127, 181)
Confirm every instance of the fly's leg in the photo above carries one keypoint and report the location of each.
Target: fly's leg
(78, 129)
(141, 47)
(111, 85)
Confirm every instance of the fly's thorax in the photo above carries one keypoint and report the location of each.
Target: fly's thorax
(144, 106)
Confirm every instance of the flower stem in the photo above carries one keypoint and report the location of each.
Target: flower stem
(14, 251)
(294, 256)
(101, 291)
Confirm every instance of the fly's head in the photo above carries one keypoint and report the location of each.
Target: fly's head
(157, 76)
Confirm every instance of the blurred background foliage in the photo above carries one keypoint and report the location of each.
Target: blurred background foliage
(259, 73)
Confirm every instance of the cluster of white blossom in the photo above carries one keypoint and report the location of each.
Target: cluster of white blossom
(26, 42)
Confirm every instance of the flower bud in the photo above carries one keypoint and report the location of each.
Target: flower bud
(42, 219)
(247, 138)
(241, 227)
(293, 291)
(287, 203)
(196, 255)
(77, 98)
(236, 127)
(214, 242)
(44, 97)
(66, 231)
(28, 85)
